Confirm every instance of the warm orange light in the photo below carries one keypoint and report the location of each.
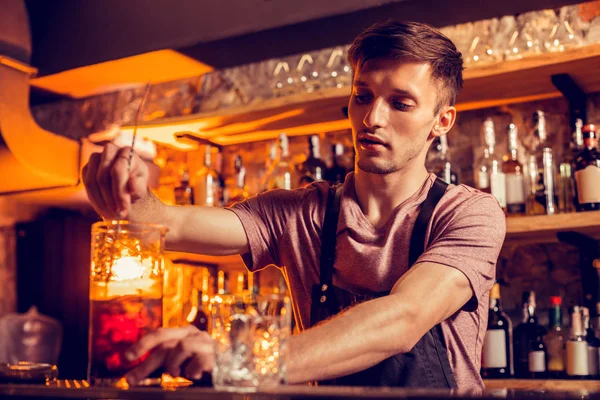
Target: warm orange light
(154, 67)
(238, 127)
(240, 282)
(221, 282)
(127, 268)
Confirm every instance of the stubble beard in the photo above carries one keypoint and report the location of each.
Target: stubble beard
(372, 168)
(385, 167)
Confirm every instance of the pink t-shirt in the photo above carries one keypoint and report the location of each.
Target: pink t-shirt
(466, 232)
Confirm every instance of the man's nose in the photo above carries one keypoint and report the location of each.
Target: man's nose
(377, 114)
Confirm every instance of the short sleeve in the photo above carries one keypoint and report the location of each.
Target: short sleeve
(468, 236)
(264, 218)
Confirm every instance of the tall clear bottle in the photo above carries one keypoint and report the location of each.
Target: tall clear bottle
(497, 346)
(489, 173)
(313, 168)
(567, 194)
(542, 195)
(577, 353)
(282, 174)
(206, 182)
(525, 335)
(556, 339)
(587, 172)
(516, 199)
(441, 165)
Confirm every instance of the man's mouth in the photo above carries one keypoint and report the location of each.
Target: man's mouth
(371, 142)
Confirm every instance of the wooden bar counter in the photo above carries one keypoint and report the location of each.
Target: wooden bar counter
(500, 389)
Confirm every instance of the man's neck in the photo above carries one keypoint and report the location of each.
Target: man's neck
(379, 195)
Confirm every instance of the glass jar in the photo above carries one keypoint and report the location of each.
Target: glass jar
(126, 295)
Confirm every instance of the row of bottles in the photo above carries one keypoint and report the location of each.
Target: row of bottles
(207, 188)
(189, 288)
(532, 351)
(528, 179)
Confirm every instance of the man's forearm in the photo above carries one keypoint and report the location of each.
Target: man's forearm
(149, 209)
(194, 229)
(377, 329)
(350, 342)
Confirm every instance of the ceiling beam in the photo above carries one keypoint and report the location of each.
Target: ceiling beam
(67, 34)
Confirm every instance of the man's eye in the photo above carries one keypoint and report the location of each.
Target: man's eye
(401, 106)
(362, 98)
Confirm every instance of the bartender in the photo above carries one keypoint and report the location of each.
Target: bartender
(390, 272)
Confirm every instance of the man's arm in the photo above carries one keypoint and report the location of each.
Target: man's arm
(375, 330)
(118, 190)
(194, 229)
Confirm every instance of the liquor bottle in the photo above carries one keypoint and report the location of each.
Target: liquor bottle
(313, 168)
(587, 172)
(515, 178)
(223, 282)
(550, 195)
(537, 358)
(577, 353)
(338, 170)
(282, 174)
(593, 345)
(206, 183)
(556, 339)
(197, 316)
(184, 195)
(441, 165)
(542, 196)
(497, 346)
(236, 190)
(567, 194)
(269, 165)
(489, 173)
(525, 335)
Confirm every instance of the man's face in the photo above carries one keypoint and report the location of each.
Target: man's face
(391, 111)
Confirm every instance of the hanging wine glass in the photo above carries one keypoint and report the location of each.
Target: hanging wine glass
(283, 81)
(482, 49)
(306, 74)
(524, 40)
(335, 71)
(565, 33)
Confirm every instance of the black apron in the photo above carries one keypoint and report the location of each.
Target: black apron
(426, 365)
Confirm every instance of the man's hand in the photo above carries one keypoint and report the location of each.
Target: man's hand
(185, 352)
(111, 185)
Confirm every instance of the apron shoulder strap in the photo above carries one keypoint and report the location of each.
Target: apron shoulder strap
(328, 234)
(417, 239)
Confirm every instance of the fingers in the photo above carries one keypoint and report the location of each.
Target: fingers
(150, 364)
(103, 176)
(198, 349)
(157, 338)
(174, 348)
(197, 365)
(112, 184)
(119, 177)
(130, 182)
(89, 174)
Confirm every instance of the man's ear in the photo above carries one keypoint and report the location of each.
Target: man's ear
(444, 121)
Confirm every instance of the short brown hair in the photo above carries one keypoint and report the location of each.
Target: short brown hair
(413, 41)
